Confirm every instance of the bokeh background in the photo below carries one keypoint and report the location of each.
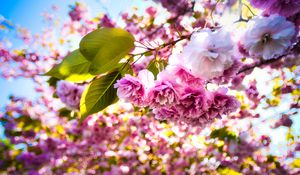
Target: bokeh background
(31, 13)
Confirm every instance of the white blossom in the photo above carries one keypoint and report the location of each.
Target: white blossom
(268, 37)
(208, 53)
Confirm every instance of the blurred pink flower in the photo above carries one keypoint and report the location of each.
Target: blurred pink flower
(151, 11)
(282, 7)
(78, 12)
(69, 93)
(105, 21)
(268, 37)
(222, 103)
(166, 113)
(284, 121)
(265, 140)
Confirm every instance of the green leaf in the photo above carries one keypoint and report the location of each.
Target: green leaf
(153, 67)
(99, 94)
(73, 68)
(64, 112)
(105, 48)
(223, 134)
(52, 81)
(125, 68)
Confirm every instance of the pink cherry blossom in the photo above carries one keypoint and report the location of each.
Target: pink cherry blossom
(78, 12)
(222, 103)
(208, 53)
(176, 7)
(193, 103)
(164, 93)
(283, 7)
(268, 37)
(151, 11)
(133, 89)
(69, 93)
(166, 113)
(183, 76)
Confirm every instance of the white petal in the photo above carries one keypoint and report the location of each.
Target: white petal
(147, 78)
(272, 50)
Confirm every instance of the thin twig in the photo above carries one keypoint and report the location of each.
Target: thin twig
(163, 45)
(241, 19)
(249, 9)
(265, 62)
(259, 64)
(171, 19)
(212, 11)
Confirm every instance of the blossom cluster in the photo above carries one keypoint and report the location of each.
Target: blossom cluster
(177, 7)
(285, 8)
(78, 12)
(179, 92)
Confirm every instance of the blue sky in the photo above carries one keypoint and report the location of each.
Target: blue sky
(28, 14)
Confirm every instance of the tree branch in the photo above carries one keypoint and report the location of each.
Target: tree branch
(259, 64)
(164, 45)
(294, 49)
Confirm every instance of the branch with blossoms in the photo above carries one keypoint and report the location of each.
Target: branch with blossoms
(162, 46)
(178, 92)
(172, 18)
(261, 63)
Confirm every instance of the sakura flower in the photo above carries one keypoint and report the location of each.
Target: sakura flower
(229, 73)
(265, 140)
(176, 7)
(284, 121)
(297, 148)
(106, 22)
(222, 103)
(133, 89)
(283, 7)
(163, 93)
(208, 53)
(193, 103)
(165, 113)
(183, 76)
(151, 11)
(268, 37)
(69, 93)
(78, 12)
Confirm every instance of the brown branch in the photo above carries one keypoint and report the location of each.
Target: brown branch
(259, 64)
(293, 49)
